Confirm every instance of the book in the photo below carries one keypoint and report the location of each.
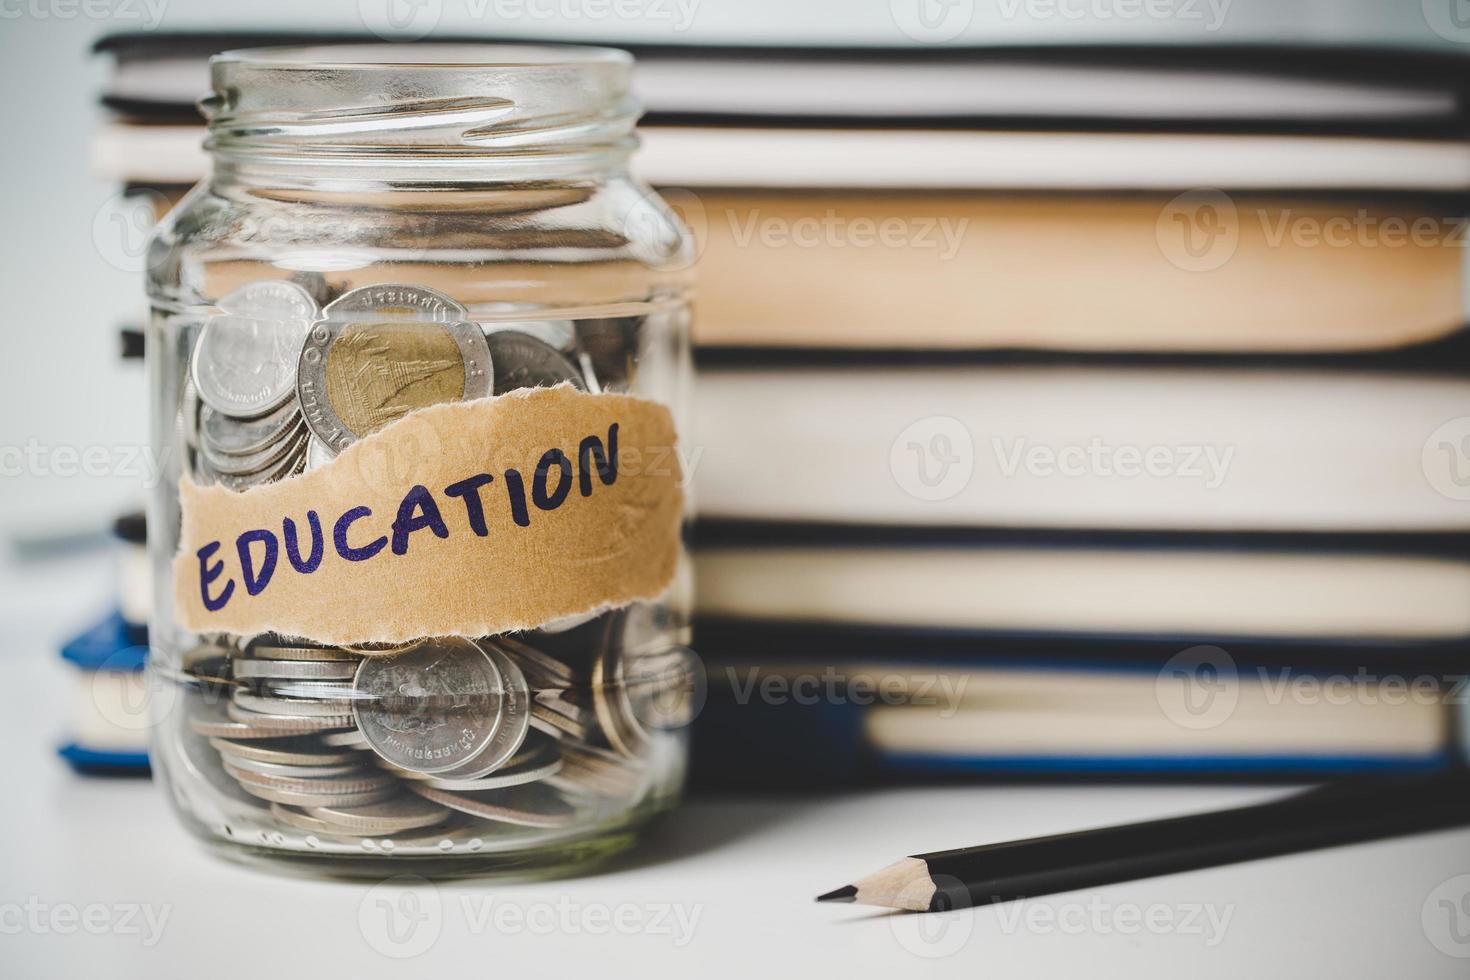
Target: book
(1189, 587)
(1074, 272)
(1082, 446)
(109, 720)
(935, 159)
(811, 719)
(159, 75)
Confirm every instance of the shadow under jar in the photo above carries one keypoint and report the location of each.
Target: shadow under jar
(388, 228)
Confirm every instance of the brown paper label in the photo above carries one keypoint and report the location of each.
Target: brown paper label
(467, 518)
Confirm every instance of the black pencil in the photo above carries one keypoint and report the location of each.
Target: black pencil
(1326, 816)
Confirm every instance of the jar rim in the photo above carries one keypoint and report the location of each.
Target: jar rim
(398, 56)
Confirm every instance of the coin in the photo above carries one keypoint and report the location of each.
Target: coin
(284, 724)
(189, 409)
(244, 437)
(271, 298)
(210, 720)
(275, 651)
(392, 816)
(293, 798)
(560, 334)
(522, 361)
(535, 805)
(499, 779)
(263, 459)
(318, 453)
(554, 716)
(366, 781)
(542, 670)
(441, 706)
(298, 708)
(382, 351)
(394, 301)
(288, 751)
(292, 770)
(254, 668)
(353, 739)
(244, 360)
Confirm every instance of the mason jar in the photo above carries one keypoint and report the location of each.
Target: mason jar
(419, 356)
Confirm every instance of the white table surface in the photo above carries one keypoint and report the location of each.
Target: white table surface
(723, 890)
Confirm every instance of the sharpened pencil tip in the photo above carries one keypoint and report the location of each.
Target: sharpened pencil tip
(847, 893)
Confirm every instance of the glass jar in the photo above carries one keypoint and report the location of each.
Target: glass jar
(388, 231)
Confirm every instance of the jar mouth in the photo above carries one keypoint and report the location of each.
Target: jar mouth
(463, 105)
(397, 57)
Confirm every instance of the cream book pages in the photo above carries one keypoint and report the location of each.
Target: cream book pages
(1092, 590)
(1072, 447)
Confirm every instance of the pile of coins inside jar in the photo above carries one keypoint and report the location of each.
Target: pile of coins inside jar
(535, 730)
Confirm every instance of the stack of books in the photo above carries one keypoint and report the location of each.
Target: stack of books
(1092, 412)
(1059, 410)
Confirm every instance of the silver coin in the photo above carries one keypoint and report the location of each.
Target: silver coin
(286, 751)
(522, 361)
(556, 719)
(222, 434)
(535, 805)
(394, 369)
(441, 706)
(293, 798)
(299, 819)
(318, 454)
(352, 739)
(360, 782)
(275, 651)
(538, 750)
(291, 770)
(560, 334)
(189, 409)
(244, 360)
(289, 465)
(394, 300)
(211, 721)
(542, 670)
(275, 298)
(394, 815)
(285, 724)
(499, 779)
(301, 708)
(248, 464)
(254, 668)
